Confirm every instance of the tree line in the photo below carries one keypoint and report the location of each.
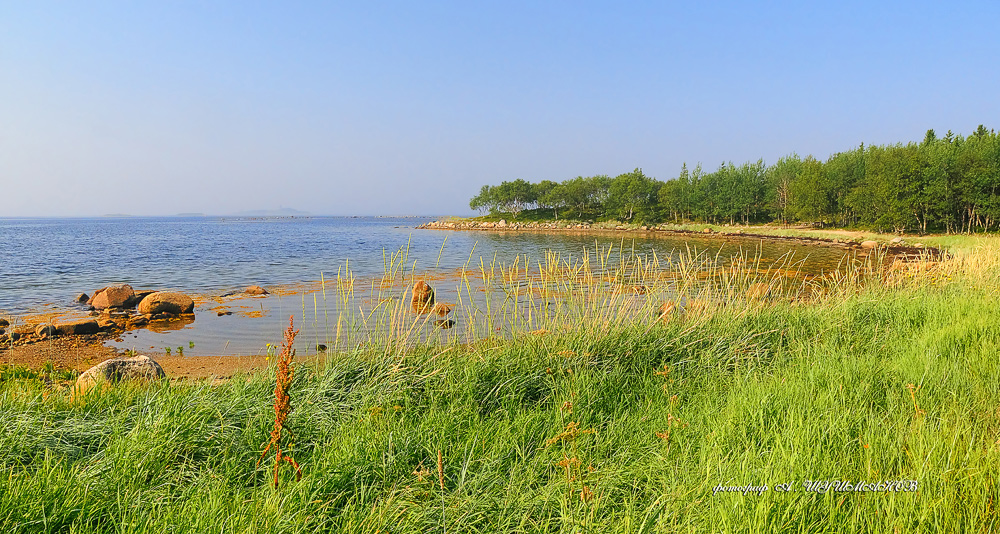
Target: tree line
(949, 184)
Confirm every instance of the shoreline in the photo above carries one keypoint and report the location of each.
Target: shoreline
(857, 240)
(79, 352)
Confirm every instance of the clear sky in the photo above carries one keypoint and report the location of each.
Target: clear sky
(367, 108)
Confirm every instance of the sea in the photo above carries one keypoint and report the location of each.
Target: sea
(46, 263)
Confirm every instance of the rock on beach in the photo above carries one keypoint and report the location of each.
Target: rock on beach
(78, 328)
(136, 368)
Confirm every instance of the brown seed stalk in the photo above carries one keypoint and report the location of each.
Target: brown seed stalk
(282, 404)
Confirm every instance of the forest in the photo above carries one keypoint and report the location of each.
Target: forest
(942, 184)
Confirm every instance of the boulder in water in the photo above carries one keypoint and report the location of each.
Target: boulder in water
(423, 297)
(441, 309)
(166, 302)
(113, 297)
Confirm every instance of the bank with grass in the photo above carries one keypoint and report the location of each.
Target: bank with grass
(885, 379)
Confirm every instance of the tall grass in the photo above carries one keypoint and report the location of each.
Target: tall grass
(588, 413)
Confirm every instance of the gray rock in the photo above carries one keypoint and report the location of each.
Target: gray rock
(115, 370)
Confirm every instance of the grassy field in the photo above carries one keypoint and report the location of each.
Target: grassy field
(588, 426)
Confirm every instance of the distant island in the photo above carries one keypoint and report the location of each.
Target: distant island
(270, 213)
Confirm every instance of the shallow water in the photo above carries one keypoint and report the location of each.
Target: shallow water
(44, 263)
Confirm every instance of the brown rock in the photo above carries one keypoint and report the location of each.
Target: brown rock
(113, 297)
(45, 330)
(444, 324)
(82, 298)
(165, 301)
(139, 295)
(107, 324)
(706, 231)
(136, 368)
(78, 328)
(24, 329)
(255, 290)
(869, 244)
(441, 309)
(139, 321)
(423, 297)
(4, 322)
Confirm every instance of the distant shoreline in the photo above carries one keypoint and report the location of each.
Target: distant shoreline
(846, 239)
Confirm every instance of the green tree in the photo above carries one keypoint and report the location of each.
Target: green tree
(780, 177)
(513, 197)
(632, 194)
(547, 196)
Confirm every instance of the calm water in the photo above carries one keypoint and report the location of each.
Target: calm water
(44, 263)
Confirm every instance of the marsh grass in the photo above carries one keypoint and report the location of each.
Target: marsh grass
(585, 413)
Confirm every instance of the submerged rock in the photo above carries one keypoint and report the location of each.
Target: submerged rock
(166, 302)
(255, 290)
(444, 324)
(441, 309)
(423, 297)
(136, 369)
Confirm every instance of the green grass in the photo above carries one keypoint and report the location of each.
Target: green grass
(781, 392)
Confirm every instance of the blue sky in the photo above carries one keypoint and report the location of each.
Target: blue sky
(409, 107)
